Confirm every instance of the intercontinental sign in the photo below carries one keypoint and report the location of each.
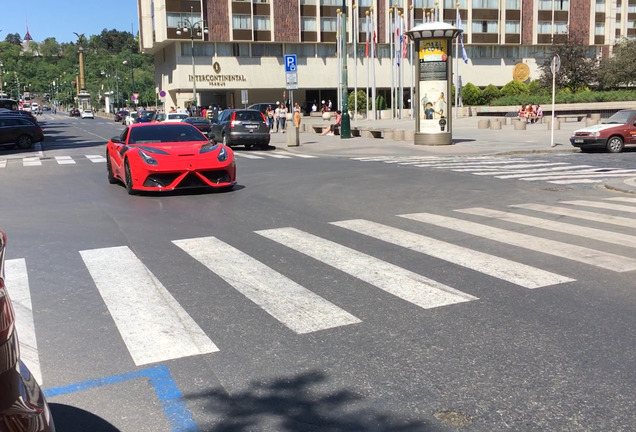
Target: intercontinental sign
(218, 80)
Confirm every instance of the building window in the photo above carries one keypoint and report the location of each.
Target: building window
(330, 3)
(513, 4)
(326, 50)
(301, 50)
(365, 3)
(484, 27)
(485, 4)
(505, 51)
(260, 1)
(261, 22)
(600, 6)
(175, 19)
(328, 24)
(307, 2)
(308, 24)
(631, 8)
(545, 27)
(200, 49)
(241, 22)
(513, 27)
(599, 29)
(560, 5)
(267, 50)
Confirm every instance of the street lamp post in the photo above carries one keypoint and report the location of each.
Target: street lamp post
(132, 77)
(198, 28)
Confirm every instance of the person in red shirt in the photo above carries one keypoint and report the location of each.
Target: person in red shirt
(331, 129)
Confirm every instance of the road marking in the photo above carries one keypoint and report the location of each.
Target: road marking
(18, 286)
(496, 170)
(96, 158)
(153, 325)
(409, 286)
(305, 156)
(579, 214)
(603, 205)
(501, 268)
(3, 163)
(583, 174)
(533, 172)
(64, 160)
(623, 199)
(581, 254)
(275, 155)
(247, 156)
(31, 161)
(296, 307)
(546, 224)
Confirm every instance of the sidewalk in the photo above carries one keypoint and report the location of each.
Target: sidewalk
(468, 140)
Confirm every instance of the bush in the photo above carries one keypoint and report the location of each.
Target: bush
(362, 101)
(489, 93)
(514, 88)
(380, 103)
(471, 94)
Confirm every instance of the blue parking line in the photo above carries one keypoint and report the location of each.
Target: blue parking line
(174, 406)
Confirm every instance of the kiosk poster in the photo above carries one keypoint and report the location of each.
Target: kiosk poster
(433, 82)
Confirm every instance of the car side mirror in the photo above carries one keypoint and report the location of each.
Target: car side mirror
(115, 140)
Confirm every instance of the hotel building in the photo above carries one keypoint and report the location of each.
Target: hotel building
(242, 53)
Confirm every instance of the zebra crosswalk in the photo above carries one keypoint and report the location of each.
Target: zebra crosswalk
(33, 161)
(154, 327)
(562, 173)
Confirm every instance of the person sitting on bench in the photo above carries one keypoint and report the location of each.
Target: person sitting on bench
(332, 128)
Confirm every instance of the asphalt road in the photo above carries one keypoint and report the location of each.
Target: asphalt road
(331, 293)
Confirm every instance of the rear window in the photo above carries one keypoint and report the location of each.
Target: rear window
(248, 116)
(164, 134)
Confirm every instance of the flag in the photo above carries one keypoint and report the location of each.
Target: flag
(461, 37)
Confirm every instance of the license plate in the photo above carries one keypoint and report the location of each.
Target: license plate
(251, 126)
(578, 140)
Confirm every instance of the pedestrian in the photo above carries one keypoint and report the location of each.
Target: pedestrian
(331, 129)
(297, 116)
(282, 116)
(269, 116)
(204, 112)
(276, 117)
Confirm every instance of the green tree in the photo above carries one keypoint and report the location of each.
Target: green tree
(514, 88)
(490, 93)
(620, 69)
(578, 67)
(362, 101)
(13, 38)
(471, 94)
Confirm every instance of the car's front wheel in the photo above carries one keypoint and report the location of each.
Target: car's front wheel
(129, 180)
(109, 170)
(615, 144)
(226, 140)
(24, 142)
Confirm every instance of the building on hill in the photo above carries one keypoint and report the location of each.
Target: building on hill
(247, 40)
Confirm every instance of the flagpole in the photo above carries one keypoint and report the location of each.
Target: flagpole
(366, 54)
(339, 51)
(456, 62)
(391, 37)
(411, 48)
(373, 89)
(354, 11)
(400, 67)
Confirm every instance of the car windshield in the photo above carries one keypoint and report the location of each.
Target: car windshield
(164, 134)
(248, 116)
(177, 116)
(620, 117)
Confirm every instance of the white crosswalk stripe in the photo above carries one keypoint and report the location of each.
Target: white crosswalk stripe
(513, 272)
(96, 158)
(409, 286)
(510, 168)
(579, 214)
(31, 161)
(3, 163)
(64, 160)
(18, 279)
(296, 307)
(603, 205)
(153, 325)
(576, 253)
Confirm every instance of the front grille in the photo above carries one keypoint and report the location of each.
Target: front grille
(216, 176)
(160, 180)
(190, 181)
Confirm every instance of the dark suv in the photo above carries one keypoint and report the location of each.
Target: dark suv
(18, 131)
(120, 115)
(240, 127)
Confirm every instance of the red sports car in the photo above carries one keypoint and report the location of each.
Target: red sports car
(168, 156)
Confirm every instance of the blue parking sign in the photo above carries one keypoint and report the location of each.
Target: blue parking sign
(290, 63)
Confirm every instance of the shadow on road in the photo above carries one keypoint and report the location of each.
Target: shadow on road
(72, 419)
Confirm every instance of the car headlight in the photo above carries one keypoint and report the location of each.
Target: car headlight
(595, 134)
(223, 155)
(147, 158)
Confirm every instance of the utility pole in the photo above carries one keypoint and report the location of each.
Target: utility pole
(345, 122)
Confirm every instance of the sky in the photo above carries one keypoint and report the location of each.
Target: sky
(60, 18)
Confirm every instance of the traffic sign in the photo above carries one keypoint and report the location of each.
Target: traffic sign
(291, 63)
(244, 97)
(555, 64)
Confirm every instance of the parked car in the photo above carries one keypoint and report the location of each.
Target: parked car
(246, 127)
(24, 114)
(8, 104)
(263, 106)
(612, 134)
(16, 130)
(174, 117)
(120, 115)
(145, 116)
(74, 112)
(87, 114)
(22, 403)
(130, 118)
(167, 156)
(200, 123)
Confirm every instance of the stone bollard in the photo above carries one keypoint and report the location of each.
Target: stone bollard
(293, 138)
(365, 133)
(520, 125)
(409, 135)
(398, 135)
(591, 122)
(483, 124)
(557, 124)
(495, 125)
(596, 116)
(388, 134)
